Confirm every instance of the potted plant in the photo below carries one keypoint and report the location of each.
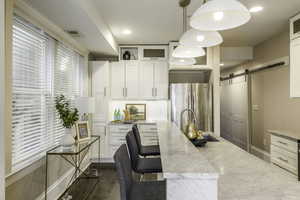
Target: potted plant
(69, 116)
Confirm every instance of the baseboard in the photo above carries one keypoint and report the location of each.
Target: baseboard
(58, 187)
(260, 153)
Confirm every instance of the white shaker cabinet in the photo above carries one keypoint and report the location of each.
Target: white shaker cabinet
(147, 79)
(154, 80)
(101, 92)
(117, 80)
(125, 80)
(116, 137)
(161, 80)
(295, 68)
(132, 80)
(116, 134)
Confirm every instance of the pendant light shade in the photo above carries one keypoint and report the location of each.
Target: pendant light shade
(182, 61)
(201, 38)
(218, 15)
(183, 51)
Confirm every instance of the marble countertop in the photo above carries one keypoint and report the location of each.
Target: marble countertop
(243, 176)
(285, 133)
(180, 158)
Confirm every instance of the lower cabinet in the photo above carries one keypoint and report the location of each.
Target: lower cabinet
(148, 134)
(116, 136)
(99, 130)
(284, 152)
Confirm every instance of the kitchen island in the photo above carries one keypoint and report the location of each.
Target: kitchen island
(188, 173)
(242, 176)
(220, 170)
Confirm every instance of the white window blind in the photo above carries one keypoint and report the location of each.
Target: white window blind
(42, 69)
(66, 80)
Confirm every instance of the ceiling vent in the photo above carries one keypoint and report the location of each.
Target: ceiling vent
(74, 34)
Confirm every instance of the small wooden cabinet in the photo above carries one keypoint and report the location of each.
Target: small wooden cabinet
(284, 151)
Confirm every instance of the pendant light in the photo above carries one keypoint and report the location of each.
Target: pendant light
(201, 38)
(182, 61)
(218, 15)
(187, 51)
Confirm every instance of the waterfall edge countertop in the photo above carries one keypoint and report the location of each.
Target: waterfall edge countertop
(180, 158)
(243, 176)
(188, 174)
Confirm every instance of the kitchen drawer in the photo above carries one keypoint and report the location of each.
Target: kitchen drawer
(116, 140)
(123, 128)
(147, 128)
(275, 149)
(284, 143)
(284, 161)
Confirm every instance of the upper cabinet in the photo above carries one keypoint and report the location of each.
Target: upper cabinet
(132, 79)
(145, 80)
(295, 68)
(117, 80)
(161, 80)
(295, 56)
(125, 80)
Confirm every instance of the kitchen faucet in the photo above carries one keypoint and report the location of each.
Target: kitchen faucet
(194, 117)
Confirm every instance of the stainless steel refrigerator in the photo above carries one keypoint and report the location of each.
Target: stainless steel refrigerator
(194, 96)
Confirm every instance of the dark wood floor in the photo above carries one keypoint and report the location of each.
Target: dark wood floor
(104, 188)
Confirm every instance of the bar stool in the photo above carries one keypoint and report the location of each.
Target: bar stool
(141, 165)
(135, 190)
(151, 150)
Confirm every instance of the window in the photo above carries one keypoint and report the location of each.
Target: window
(42, 69)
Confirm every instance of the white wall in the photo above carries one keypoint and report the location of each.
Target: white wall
(2, 87)
(155, 110)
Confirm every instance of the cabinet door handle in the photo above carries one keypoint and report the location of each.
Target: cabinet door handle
(284, 160)
(123, 92)
(105, 91)
(153, 92)
(282, 143)
(156, 92)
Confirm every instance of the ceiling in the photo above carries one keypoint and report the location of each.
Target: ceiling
(71, 15)
(157, 21)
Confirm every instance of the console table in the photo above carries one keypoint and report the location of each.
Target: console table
(74, 156)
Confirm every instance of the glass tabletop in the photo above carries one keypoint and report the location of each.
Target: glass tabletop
(75, 149)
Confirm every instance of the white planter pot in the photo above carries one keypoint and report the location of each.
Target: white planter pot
(68, 139)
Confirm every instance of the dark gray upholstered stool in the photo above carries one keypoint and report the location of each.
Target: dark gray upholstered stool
(141, 165)
(134, 190)
(152, 150)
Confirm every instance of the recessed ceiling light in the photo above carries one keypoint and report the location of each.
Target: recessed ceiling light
(256, 9)
(221, 64)
(126, 32)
